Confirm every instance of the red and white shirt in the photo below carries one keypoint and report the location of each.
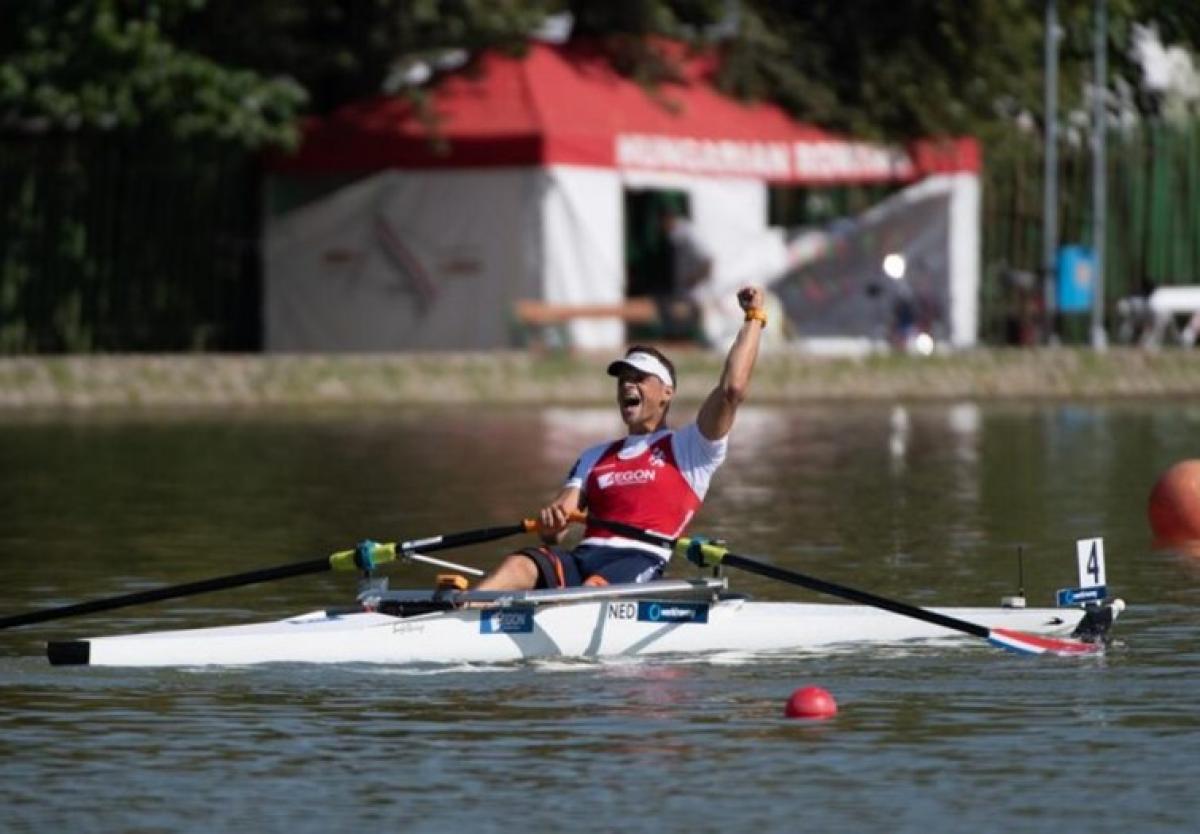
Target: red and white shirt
(653, 481)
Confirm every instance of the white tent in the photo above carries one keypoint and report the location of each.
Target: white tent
(424, 245)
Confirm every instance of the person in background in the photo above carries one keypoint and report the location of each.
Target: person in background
(654, 478)
(692, 269)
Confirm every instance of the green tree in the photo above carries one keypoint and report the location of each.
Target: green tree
(930, 67)
(342, 50)
(241, 69)
(116, 65)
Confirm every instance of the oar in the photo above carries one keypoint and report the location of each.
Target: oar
(704, 553)
(366, 556)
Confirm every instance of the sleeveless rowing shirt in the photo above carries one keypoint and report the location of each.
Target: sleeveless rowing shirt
(656, 482)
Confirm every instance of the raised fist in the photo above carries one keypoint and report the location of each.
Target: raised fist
(750, 298)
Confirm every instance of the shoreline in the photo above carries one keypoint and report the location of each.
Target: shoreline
(81, 382)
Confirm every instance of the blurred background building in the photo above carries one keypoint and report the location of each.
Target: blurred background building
(372, 175)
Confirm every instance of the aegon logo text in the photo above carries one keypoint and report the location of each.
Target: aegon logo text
(631, 478)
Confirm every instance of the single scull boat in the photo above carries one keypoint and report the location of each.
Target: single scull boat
(654, 618)
(453, 625)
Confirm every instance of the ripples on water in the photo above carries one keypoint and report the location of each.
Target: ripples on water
(925, 504)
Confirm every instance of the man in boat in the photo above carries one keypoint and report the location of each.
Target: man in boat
(654, 478)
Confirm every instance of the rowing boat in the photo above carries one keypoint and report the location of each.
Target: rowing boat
(453, 625)
(683, 617)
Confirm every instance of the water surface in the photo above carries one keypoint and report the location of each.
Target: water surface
(928, 504)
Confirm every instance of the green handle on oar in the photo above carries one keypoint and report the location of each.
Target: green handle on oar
(378, 554)
(709, 554)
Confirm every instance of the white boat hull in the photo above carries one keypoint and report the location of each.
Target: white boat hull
(599, 628)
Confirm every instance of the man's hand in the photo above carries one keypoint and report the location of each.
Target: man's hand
(553, 522)
(751, 298)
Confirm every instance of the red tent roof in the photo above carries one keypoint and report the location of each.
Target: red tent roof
(567, 105)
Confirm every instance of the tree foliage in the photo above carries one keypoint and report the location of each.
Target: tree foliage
(110, 65)
(346, 49)
(930, 66)
(245, 69)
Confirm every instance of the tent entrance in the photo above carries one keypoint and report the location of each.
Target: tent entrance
(650, 258)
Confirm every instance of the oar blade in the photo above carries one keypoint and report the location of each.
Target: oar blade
(1024, 643)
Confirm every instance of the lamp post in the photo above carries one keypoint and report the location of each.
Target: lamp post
(1050, 173)
(1099, 172)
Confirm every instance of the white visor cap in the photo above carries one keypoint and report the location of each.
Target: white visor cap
(647, 363)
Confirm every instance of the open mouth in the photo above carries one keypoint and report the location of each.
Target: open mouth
(630, 399)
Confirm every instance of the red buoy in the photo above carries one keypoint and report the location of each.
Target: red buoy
(810, 702)
(1174, 509)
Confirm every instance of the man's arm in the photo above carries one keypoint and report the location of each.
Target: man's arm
(720, 407)
(555, 517)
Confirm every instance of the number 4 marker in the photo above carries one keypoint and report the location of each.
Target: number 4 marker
(1090, 553)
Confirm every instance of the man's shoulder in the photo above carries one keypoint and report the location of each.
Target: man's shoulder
(690, 438)
(588, 457)
(597, 449)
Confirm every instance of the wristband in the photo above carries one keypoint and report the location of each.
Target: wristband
(757, 314)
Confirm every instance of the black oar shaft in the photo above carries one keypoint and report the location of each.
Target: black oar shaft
(811, 582)
(172, 592)
(429, 545)
(709, 554)
(863, 597)
(450, 540)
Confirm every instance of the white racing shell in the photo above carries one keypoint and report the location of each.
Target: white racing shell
(585, 625)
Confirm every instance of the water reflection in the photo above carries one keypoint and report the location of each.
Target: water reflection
(917, 501)
(924, 499)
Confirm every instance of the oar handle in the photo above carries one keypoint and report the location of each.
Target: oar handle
(533, 525)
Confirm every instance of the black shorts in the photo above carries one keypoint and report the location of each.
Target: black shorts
(593, 565)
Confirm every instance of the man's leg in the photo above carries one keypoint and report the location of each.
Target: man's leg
(516, 572)
(534, 567)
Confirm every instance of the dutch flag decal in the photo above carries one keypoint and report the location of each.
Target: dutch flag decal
(1022, 643)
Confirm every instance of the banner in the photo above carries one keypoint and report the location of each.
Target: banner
(884, 276)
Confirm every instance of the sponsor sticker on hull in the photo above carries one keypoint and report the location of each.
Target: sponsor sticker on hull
(1067, 597)
(506, 621)
(672, 612)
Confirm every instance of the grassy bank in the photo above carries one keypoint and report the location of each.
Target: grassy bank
(518, 377)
